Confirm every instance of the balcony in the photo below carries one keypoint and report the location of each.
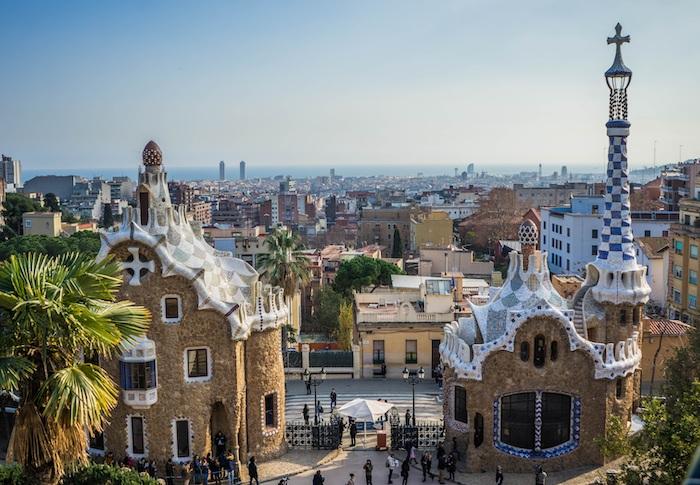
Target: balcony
(142, 398)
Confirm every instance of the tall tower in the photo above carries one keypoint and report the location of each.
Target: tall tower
(242, 170)
(617, 281)
(222, 170)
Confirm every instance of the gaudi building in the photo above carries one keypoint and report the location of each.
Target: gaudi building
(532, 378)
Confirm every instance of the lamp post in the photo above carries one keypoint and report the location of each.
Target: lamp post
(413, 379)
(315, 381)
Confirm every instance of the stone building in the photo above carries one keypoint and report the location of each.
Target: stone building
(211, 360)
(531, 378)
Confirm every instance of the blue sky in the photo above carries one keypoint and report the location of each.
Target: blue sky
(330, 83)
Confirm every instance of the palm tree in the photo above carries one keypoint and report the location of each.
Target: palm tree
(285, 265)
(52, 311)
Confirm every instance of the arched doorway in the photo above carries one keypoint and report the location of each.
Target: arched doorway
(220, 430)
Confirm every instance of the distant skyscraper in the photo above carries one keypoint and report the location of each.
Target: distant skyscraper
(11, 171)
(222, 170)
(332, 174)
(470, 169)
(539, 173)
(242, 170)
(564, 172)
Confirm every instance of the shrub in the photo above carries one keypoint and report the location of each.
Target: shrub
(12, 475)
(106, 474)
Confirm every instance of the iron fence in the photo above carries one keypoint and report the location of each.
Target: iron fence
(325, 436)
(424, 435)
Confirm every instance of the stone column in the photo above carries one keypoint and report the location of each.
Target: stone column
(356, 362)
(304, 356)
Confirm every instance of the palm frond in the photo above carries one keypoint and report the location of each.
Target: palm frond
(13, 370)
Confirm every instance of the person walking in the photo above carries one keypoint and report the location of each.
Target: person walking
(405, 468)
(499, 475)
(441, 465)
(353, 432)
(308, 388)
(392, 464)
(451, 465)
(230, 467)
(253, 471)
(412, 454)
(319, 409)
(305, 413)
(368, 471)
(408, 417)
(170, 472)
(318, 479)
(540, 476)
(425, 464)
(334, 399)
(351, 481)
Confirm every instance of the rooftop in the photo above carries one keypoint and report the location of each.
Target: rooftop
(662, 326)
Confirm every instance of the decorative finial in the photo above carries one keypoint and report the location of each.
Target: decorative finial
(618, 77)
(528, 233)
(152, 155)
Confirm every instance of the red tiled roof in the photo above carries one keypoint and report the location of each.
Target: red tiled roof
(660, 326)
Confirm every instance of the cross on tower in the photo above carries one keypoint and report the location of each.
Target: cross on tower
(135, 267)
(618, 39)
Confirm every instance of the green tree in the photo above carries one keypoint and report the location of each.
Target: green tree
(51, 202)
(615, 443)
(52, 310)
(15, 205)
(68, 217)
(107, 217)
(362, 271)
(84, 242)
(284, 264)
(397, 248)
(346, 324)
(325, 318)
(92, 474)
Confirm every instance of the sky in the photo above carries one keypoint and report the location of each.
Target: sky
(85, 84)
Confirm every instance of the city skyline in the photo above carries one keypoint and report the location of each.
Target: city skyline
(331, 84)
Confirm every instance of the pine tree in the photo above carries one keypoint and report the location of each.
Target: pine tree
(397, 249)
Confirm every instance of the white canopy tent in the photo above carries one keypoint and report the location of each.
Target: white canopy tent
(365, 410)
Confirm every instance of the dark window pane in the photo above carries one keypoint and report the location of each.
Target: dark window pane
(378, 351)
(411, 351)
(183, 438)
(270, 410)
(197, 363)
(478, 429)
(618, 388)
(137, 435)
(518, 420)
(556, 419)
(524, 351)
(137, 375)
(554, 350)
(540, 351)
(460, 404)
(97, 442)
(172, 308)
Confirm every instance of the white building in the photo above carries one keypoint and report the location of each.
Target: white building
(570, 235)
(653, 252)
(11, 171)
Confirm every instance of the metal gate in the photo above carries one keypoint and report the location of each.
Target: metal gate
(425, 435)
(325, 436)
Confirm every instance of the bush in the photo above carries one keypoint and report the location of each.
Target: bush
(105, 474)
(12, 475)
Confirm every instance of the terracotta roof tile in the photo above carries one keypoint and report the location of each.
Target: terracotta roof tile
(662, 326)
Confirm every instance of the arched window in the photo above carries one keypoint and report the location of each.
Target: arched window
(553, 350)
(623, 317)
(478, 429)
(524, 351)
(540, 351)
(619, 390)
(518, 420)
(460, 404)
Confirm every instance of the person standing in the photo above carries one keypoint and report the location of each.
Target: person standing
(308, 388)
(351, 481)
(253, 471)
(368, 472)
(220, 443)
(318, 479)
(187, 473)
(405, 468)
(441, 465)
(305, 413)
(392, 464)
(540, 476)
(499, 476)
(319, 410)
(425, 464)
(451, 465)
(408, 417)
(170, 472)
(353, 432)
(205, 470)
(334, 399)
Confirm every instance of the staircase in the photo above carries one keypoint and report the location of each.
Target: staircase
(578, 318)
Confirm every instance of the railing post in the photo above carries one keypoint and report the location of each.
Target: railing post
(304, 356)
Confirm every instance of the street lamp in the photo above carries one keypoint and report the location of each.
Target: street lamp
(315, 381)
(413, 379)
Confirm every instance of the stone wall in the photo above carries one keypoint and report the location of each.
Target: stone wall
(265, 372)
(505, 373)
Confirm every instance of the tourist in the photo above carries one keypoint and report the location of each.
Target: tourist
(220, 443)
(451, 465)
(318, 479)
(170, 472)
(151, 469)
(197, 469)
(392, 464)
(205, 470)
(408, 417)
(412, 454)
(351, 481)
(187, 474)
(368, 472)
(405, 468)
(540, 476)
(253, 471)
(426, 462)
(353, 432)
(319, 409)
(308, 388)
(215, 471)
(441, 463)
(305, 413)
(455, 450)
(334, 399)
(499, 476)
(230, 467)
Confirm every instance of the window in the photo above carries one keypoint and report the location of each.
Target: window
(28, 223)
(678, 245)
(460, 404)
(270, 414)
(676, 296)
(544, 224)
(137, 439)
(97, 442)
(197, 364)
(623, 317)
(568, 232)
(568, 265)
(478, 429)
(594, 209)
(647, 233)
(544, 240)
(524, 351)
(171, 308)
(568, 247)
(694, 251)
(182, 438)
(411, 351)
(677, 271)
(138, 375)
(594, 250)
(540, 351)
(618, 388)
(553, 350)
(534, 421)
(594, 233)
(693, 277)
(692, 301)
(377, 351)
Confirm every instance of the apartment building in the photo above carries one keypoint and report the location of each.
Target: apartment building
(685, 264)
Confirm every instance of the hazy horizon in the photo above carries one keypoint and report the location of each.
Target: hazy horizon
(392, 83)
